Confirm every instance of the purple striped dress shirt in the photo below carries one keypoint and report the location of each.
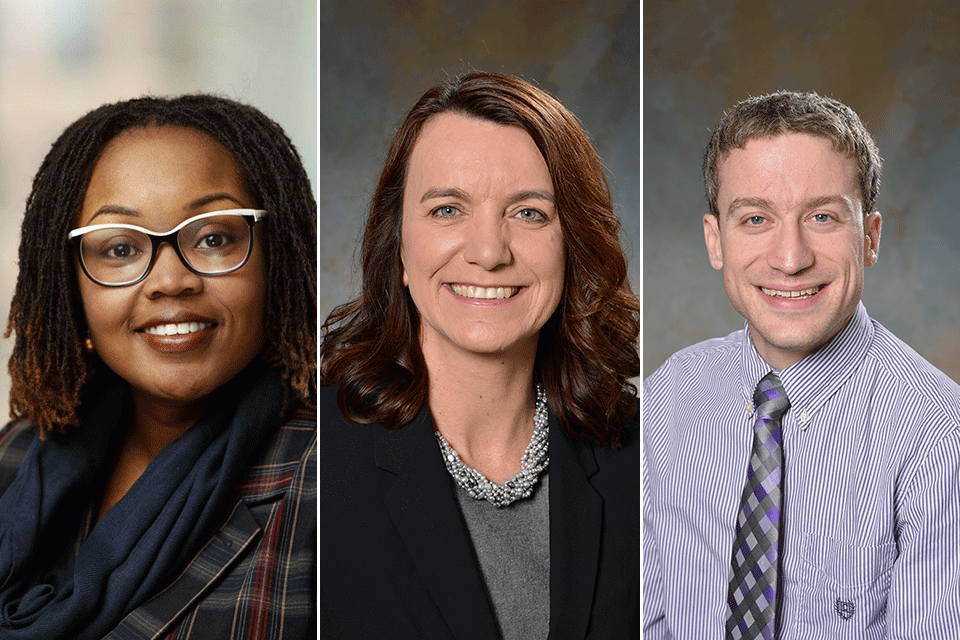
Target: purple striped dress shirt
(871, 537)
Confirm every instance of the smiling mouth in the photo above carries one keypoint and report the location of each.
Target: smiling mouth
(793, 295)
(484, 293)
(177, 329)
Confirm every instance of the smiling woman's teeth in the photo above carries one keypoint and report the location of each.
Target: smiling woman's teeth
(803, 293)
(181, 328)
(484, 293)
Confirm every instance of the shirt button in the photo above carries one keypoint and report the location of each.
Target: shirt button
(749, 407)
(805, 417)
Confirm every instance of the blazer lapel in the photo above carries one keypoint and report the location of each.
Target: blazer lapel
(155, 616)
(575, 516)
(422, 503)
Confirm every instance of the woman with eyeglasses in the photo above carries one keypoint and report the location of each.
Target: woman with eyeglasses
(158, 480)
(479, 433)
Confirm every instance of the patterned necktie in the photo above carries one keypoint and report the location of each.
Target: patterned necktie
(756, 549)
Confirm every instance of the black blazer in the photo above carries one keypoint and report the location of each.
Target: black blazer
(396, 559)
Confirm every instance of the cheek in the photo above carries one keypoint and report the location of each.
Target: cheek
(423, 252)
(554, 253)
(104, 308)
(250, 299)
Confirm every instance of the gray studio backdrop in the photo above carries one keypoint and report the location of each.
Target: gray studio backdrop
(377, 58)
(896, 64)
(60, 59)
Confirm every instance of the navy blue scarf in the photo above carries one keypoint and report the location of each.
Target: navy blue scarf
(148, 537)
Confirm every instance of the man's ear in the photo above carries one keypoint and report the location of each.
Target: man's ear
(711, 234)
(871, 238)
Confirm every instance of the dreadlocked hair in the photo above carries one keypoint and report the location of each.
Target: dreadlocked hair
(48, 367)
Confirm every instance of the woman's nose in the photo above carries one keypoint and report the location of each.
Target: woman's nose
(487, 243)
(170, 276)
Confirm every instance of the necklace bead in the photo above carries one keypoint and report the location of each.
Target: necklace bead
(535, 459)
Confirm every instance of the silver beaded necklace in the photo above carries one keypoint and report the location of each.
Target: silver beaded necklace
(533, 462)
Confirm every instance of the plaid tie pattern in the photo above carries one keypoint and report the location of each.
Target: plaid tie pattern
(756, 548)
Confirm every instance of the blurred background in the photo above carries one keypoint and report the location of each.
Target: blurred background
(377, 58)
(897, 64)
(62, 58)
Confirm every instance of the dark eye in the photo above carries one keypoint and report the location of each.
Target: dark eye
(121, 251)
(531, 214)
(213, 241)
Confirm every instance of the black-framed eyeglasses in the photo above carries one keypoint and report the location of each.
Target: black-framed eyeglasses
(209, 244)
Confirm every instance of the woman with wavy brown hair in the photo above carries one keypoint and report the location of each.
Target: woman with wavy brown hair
(479, 441)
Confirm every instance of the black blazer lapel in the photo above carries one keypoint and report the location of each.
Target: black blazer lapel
(423, 506)
(575, 520)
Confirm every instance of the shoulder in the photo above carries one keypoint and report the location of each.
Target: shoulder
(626, 456)
(286, 468)
(628, 450)
(703, 374)
(15, 439)
(342, 442)
(917, 378)
(715, 353)
(258, 571)
(617, 468)
(294, 438)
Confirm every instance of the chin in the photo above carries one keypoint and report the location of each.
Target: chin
(498, 344)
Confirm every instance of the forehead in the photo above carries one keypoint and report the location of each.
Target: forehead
(465, 151)
(161, 156)
(785, 168)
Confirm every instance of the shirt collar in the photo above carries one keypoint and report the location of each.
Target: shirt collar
(811, 381)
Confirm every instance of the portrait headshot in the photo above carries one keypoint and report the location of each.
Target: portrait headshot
(158, 476)
(479, 423)
(801, 411)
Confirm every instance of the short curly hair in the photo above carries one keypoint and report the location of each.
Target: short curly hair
(794, 112)
(587, 350)
(48, 367)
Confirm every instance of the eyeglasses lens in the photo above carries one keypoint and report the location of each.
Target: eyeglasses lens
(212, 245)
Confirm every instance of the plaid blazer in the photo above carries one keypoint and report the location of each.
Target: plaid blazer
(256, 576)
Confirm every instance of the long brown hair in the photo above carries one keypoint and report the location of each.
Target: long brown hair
(587, 350)
(48, 368)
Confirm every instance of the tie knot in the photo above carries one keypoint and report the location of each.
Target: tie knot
(770, 396)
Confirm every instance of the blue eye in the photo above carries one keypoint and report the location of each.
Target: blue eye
(755, 220)
(821, 217)
(531, 214)
(445, 211)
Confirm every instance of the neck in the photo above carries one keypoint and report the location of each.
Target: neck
(484, 405)
(156, 423)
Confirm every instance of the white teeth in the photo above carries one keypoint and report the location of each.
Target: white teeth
(484, 293)
(181, 328)
(803, 293)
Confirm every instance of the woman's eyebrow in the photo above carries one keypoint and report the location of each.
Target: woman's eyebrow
(114, 208)
(205, 200)
(453, 192)
(196, 204)
(533, 195)
(450, 192)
